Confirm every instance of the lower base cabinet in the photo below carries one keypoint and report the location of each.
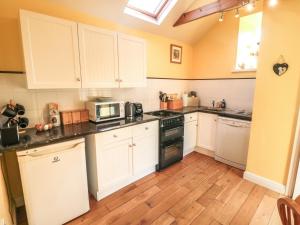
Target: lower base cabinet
(190, 137)
(190, 132)
(119, 157)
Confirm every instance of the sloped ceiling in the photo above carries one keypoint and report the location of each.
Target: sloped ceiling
(112, 10)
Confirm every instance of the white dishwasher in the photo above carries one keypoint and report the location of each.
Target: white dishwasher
(232, 141)
(54, 181)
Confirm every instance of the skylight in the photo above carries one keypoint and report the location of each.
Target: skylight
(154, 11)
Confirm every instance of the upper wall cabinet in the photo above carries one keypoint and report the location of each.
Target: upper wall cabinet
(132, 61)
(98, 57)
(51, 51)
(63, 54)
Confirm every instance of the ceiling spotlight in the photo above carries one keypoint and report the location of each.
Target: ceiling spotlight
(250, 6)
(237, 13)
(273, 3)
(221, 17)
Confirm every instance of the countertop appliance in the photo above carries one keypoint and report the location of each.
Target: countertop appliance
(54, 181)
(133, 110)
(232, 141)
(171, 132)
(104, 111)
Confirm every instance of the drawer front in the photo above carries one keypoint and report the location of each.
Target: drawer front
(113, 136)
(145, 129)
(190, 117)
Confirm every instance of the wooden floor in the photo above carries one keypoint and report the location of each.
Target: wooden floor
(196, 191)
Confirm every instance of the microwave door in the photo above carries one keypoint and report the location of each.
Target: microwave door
(108, 111)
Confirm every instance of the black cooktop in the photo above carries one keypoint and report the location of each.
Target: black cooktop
(163, 114)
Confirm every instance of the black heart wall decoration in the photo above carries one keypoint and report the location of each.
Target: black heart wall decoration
(280, 68)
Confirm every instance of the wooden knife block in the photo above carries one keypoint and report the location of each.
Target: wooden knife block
(175, 104)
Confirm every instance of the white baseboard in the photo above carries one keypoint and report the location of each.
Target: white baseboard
(205, 152)
(265, 182)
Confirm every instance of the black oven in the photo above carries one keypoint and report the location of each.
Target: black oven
(171, 131)
(170, 152)
(171, 141)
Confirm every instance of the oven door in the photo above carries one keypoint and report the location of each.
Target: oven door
(170, 152)
(168, 134)
(108, 111)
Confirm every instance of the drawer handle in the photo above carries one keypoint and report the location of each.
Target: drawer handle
(115, 136)
(146, 128)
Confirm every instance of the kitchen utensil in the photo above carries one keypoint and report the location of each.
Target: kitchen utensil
(9, 111)
(23, 122)
(10, 136)
(20, 109)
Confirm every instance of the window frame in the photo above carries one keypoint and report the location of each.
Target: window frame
(152, 15)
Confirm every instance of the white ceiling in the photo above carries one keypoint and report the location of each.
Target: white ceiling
(112, 10)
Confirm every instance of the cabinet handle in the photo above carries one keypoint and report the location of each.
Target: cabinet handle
(146, 128)
(120, 80)
(115, 136)
(191, 117)
(78, 79)
(130, 146)
(117, 80)
(133, 145)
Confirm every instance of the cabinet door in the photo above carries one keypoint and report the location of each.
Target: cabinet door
(114, 165)
(190, 137)
(207, 126)
(145, 155)
(98, 57)
(132, 61)
(50, 51)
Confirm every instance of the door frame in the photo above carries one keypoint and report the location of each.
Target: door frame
(295, 159)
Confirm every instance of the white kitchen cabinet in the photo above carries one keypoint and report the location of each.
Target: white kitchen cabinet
(145, 148)
(115, 165)
(207, 127)
(51, 51)
(119, 157)
(190, 133)
(98, 57)
(64, 54)
(132, 61)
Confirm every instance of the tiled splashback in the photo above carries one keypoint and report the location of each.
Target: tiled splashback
(238, 94)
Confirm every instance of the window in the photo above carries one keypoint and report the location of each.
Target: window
(154, 11)
(248, 42)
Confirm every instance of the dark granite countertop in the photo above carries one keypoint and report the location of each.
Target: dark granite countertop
(31, 138)
(235, 114)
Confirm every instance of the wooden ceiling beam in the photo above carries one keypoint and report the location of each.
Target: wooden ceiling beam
(209, 9)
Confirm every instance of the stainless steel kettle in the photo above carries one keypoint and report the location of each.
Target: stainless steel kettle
(130, 109)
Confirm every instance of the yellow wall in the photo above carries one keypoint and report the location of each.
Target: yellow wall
(4, 207)
(276, 98)
(158, 47)
(215, 53)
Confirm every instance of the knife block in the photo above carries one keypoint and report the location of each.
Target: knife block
(163, 105)
(175, 104)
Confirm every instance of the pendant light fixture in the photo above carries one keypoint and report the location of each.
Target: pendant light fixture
(273, 3)
(221, 19)
(250, 7)
(237, 13)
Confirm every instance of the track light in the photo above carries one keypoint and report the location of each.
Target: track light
(250, 6)
(221, 19)
(237, 13)
(273, 3)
